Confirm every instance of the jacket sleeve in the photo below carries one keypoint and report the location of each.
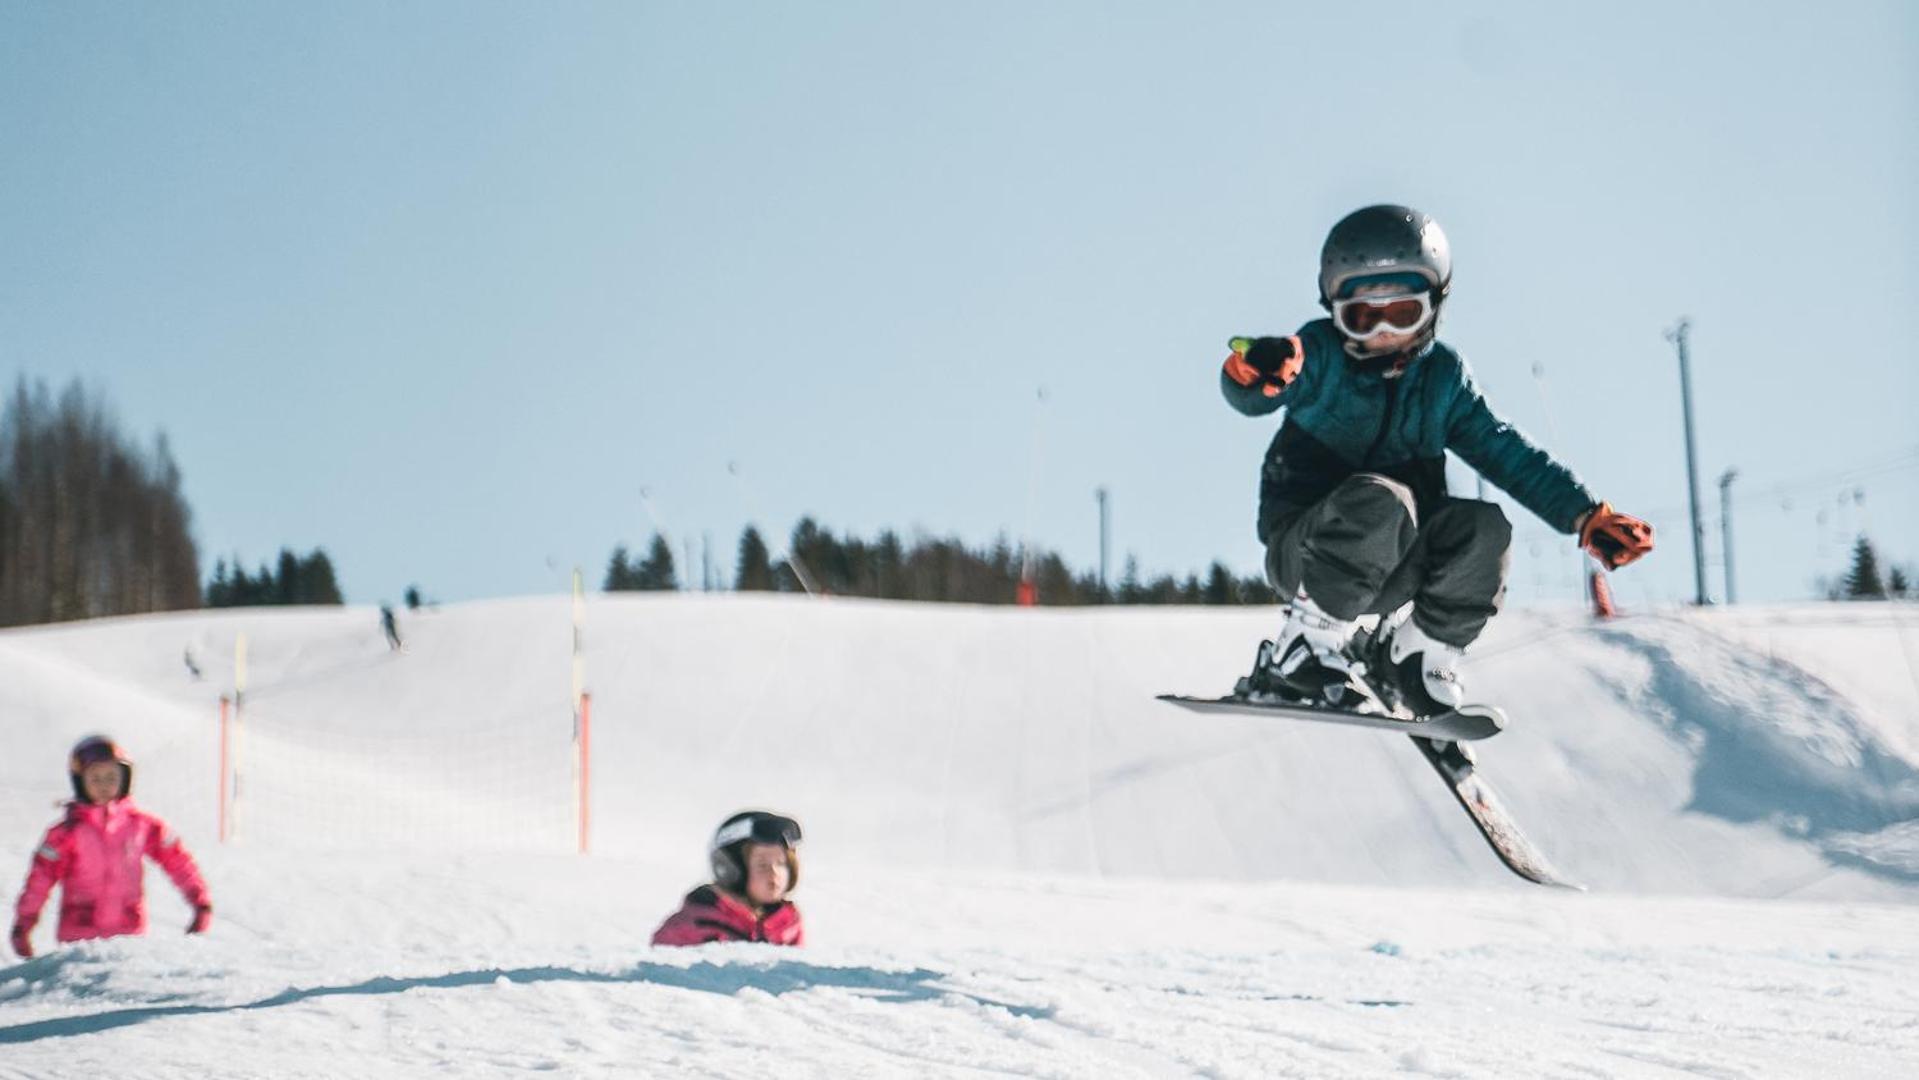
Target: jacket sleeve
(1503, 455)
(49, 866)
(164, 847)
(1249, 400)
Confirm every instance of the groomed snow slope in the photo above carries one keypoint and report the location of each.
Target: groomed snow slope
(1016, 860)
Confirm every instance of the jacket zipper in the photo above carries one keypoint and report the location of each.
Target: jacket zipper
(1385, 422)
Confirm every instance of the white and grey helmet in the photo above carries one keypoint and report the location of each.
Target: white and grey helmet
(1382, 242)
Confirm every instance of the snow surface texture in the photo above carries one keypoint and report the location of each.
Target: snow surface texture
(1017, 862)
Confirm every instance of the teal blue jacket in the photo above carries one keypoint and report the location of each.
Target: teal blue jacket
(1343, 417)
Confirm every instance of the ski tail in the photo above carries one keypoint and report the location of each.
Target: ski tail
(1482, 803)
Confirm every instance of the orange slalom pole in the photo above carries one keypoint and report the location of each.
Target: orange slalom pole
(586, 767)
(1601, 596)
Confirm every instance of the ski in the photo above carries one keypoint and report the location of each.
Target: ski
(1464, 724)
(1455, 765)
(1440, 738)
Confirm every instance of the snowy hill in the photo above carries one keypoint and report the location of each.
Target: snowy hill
(1016, 859)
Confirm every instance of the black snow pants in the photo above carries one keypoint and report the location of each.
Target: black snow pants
(1362, 549)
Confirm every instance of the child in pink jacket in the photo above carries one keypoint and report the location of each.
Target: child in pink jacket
(756, 864)
(95, 854)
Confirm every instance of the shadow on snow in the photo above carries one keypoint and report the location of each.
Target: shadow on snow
(902, 987)
(1774, 743)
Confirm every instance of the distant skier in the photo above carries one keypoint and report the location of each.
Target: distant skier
(390, 626)
(756, 865)
(1353, 508)
(94, 854)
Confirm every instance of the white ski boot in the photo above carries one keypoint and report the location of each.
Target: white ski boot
(1421, 671)
(1312, 657)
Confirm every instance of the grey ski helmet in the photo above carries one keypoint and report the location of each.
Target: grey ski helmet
(1376, 241)
(727, 852)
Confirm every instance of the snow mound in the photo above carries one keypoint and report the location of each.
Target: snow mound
(1017, 861)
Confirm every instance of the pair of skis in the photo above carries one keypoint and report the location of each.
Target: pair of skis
(1441, 739)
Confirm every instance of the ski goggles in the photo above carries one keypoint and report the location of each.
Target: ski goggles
(1370, 316)
(760, 829)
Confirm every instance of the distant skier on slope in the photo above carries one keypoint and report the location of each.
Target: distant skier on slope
(390, 626)
(94, 854)
(756, 865)
(1353, 508)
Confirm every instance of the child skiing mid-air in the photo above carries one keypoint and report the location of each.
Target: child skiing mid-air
(756, 865)
(94, 854)
(1353, 508)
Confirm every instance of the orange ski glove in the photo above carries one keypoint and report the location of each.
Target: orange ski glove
(1269, 363)
(1613, 538)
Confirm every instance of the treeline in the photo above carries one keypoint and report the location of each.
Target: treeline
(654, 573)
(886, 567)
(293, 580)
(90, 523)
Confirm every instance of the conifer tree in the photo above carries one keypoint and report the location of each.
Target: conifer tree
(1863, 581)
(1221, 588)
(318, 585)
(219, 590)
(1130, 590)
(619, 574)
(753, 571)
(288, 587)
(888, 562)
(655, 572)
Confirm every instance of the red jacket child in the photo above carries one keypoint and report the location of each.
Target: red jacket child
(756, 865)
(710, 914)
(94, 854)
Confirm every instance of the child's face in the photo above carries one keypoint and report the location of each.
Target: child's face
(101, 781)
(767, 874)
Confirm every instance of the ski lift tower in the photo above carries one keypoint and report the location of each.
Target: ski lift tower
(1677, 335)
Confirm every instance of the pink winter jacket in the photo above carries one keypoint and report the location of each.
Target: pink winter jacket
(95, 855)
(712, 914)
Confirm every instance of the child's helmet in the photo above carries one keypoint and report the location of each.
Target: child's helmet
(92, 750)
(727, 852)
(1378, 241)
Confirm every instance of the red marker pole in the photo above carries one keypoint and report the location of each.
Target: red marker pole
(586, 767)
(1601, 596)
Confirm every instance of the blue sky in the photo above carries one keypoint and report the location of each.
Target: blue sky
(446, 287)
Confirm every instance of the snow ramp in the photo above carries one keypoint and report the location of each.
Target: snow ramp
(1762, 752)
